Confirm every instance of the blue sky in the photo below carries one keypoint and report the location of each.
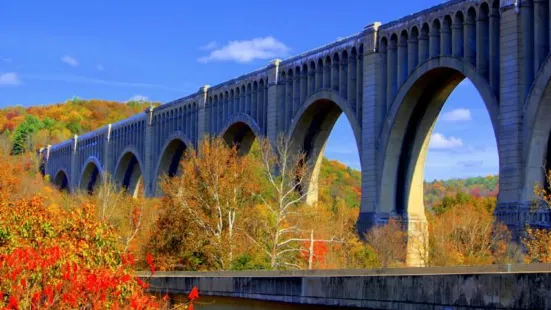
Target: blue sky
(53, 50)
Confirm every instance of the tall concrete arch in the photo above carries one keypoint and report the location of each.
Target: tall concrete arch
(129, 172)
(172, 153)
(408, 126)
(91, 175)
(405, 140)
(61, 180)
(241, 130)
(311, 127)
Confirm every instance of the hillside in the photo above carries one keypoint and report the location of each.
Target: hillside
(36, 126)
(339, 183)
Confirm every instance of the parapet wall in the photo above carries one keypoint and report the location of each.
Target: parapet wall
(526, 287)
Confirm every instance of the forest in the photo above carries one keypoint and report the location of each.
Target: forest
(229, 212)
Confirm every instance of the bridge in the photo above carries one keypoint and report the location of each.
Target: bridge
(390, 81)
(483, 287)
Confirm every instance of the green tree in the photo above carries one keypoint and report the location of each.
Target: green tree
(22, 141)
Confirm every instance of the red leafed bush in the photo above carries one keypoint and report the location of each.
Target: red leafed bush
(44, 278)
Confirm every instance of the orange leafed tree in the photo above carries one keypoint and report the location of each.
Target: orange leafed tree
(538, 241)
(209, 197)
(467, 234)
(58, 257)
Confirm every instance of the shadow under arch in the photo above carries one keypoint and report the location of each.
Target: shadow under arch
(61, 180)
(311, 127)
(129, 173)
(172, 153)
(241, 130)
(408, 127)
(91, 175)
(537, 132)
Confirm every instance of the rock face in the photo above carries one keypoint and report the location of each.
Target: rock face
(390, 81)
(416, 288)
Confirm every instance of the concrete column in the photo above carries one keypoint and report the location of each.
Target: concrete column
(482, 45)
(494, 49)
(272, 100)
(457, 39)
(549, 21)
(343, 79)
(373, 102)
(296, 91)
(311, 81)
(445, 39)
(282, 100)
(201, 100)
(242, 100)
(527, 38)
(402, 61)
(469, 40)
(326, 75)
(359, 78)
(319, 75)
(391, 74)
(541, 32)
(434, 43)
(107, 151)
(148, 173)
(352, 81)
(75, 169)
(510, 110)
(255, 105)
(303, 85)
(413, 54)
(289, 100)
(382, 50)
(247, 106)
(335, 75)
(423, 48)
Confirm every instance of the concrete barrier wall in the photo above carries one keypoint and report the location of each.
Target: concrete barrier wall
(416, 288)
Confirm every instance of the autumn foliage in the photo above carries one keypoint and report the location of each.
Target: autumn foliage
(59, 257)
(30, 128)
(537, 241)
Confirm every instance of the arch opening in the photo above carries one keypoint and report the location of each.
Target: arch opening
(61, 181)
(240, 135)
(169, 164)
(91, 178)
(310, 135)
(129, 175)
(412, 123)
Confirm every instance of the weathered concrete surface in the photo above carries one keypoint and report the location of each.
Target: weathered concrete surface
(492, 287)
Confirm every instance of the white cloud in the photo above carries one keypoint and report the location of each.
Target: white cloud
(246, 51)
(6, 60)
(457, 115)
(9, 79)
(69, 60)
(138, 98)
(100, 68)
(209, 46)
(439, 141)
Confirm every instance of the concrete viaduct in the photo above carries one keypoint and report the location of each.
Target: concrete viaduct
(390, 81)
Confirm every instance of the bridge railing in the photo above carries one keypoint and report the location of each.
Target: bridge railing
(506, 268)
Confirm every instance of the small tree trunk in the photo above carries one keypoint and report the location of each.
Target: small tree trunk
(311, 254)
